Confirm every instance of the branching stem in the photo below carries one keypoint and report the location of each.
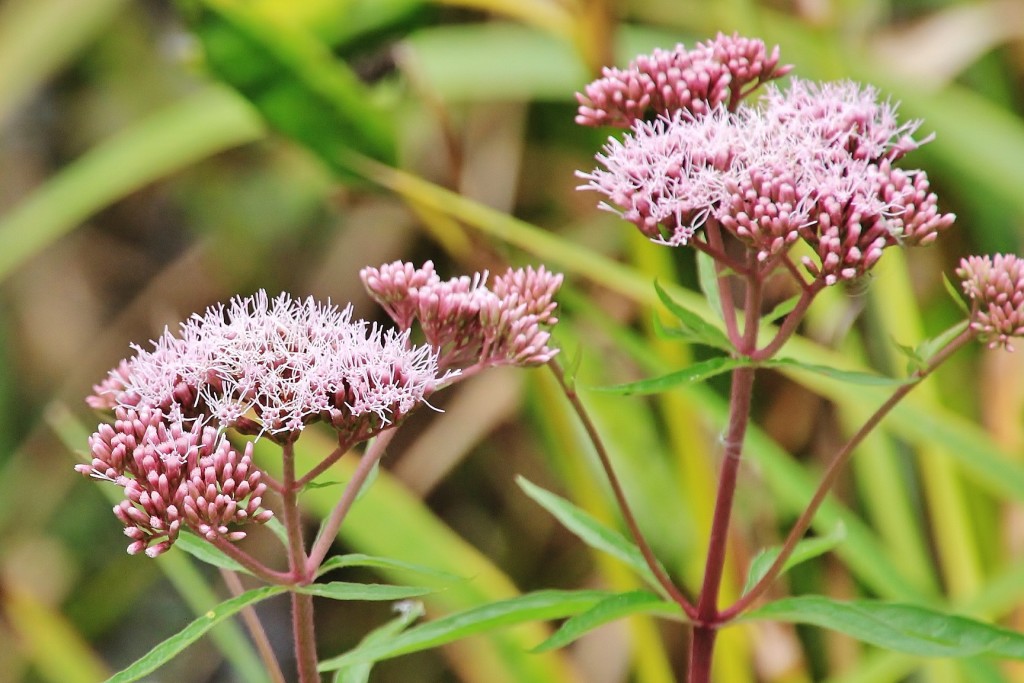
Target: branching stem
(620, 497)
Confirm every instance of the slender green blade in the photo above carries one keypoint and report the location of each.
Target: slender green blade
(588, 529)
(409, 611)
(702, 330)
(849, 376)
(171, 647)
(206, 552)
(610, 609)
(900, 627)
(375, 562)
(207, 122)
(296, 83)
(805, 550)
(698, 372)
(542, 605)
(346, 590)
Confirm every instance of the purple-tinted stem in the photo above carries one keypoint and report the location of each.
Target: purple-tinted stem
(329, 531)
(620, 497)
(272, 483)
(256, 630)
(714, 236)
(303, 629)
(828, 479)
(706, 623)
(254, 566)
(305, 637)
(789, 325)
(322, 466)
(718, 255)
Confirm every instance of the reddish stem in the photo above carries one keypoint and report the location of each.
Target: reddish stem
(303, 628)
(256, 630)
(741, 391)
(322, 466)
(620, 497)
(789, 325)
(714, 237)
(329, 530)
(254, 566)
(832, 472)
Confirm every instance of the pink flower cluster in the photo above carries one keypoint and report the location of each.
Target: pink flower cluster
(813, 162)
(259, 366)
(995, 286)
(719, 72)
(467, 322)
(175, 476)
(272, 366)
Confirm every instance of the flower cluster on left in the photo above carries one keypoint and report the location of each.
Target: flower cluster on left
(258, 366)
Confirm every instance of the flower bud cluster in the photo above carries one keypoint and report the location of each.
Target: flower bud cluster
(466, 321)
(718, 72)
(814, 162)
(995, 287)
(174, 476)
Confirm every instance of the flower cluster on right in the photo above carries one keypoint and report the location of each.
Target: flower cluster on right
(812, 162)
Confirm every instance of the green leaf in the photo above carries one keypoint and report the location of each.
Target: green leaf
(698, 372)
(589, 530)
(610, 609)
(294, 81)
(782, 309)
(900, 627)
(701, 330)
(552, 604)
(807, 549)
(849, 376)
(409, 611)
(572, 368)
(209, 121)
(205, 552)
(913, 355)
(955, 294)
(412, 533)
(170, 648)
(321, 485)
(533, 65)
(928, 348)
(362, 560)
(346, 590)
(708, 280)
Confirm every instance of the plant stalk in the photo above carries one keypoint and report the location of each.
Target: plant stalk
(303, 629)
(832, 472)
(620, 497)
(329, 530)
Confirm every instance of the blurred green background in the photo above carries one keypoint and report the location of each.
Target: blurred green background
(156, 158)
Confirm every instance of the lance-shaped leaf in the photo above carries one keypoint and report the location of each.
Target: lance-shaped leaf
(294, 81)
(375, 562)
(849, 376)
(904, 628)
(807, 549)
(169, 648)
(698, 329)
(697, 372)
(610, 609)
(408, 612)
(524, 608)
(589, 530)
